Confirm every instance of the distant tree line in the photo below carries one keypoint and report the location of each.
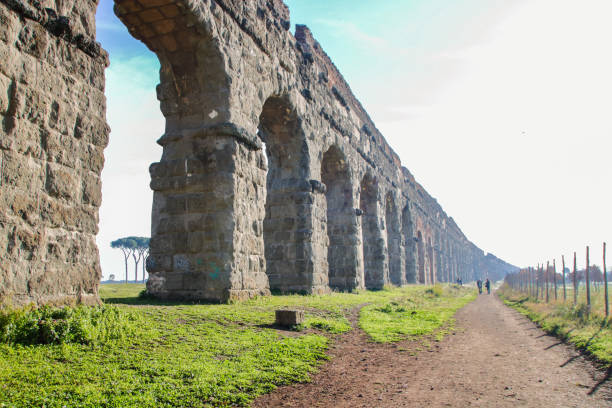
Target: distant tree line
(595, 272)
(135, 247)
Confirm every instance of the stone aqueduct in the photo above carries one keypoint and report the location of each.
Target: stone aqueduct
(272, 174)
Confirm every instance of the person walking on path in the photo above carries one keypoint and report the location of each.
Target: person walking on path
(488, 286)
(479, 284)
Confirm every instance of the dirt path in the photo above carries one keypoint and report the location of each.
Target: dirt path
(496, 358)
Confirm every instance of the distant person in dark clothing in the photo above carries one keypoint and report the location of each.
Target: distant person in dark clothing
(479, 284)
(488, 286)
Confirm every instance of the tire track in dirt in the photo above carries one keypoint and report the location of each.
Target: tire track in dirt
(496, 357)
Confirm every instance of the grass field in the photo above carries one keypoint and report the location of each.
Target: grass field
(190, 355)
(589, 332)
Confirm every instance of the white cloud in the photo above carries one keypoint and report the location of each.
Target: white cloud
(516, 145)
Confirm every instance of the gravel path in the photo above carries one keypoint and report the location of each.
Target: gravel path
(495, 358)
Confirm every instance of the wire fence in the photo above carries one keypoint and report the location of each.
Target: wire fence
(589, 285)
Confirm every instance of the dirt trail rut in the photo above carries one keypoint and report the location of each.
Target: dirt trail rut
(496, 358)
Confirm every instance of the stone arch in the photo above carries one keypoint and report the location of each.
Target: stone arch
(373, 243)
(409, 248)
(206, 220)
(394, 241)
(285, 193)
(451, 263)
(447, 275)
(432, 266)
(421, 257)
(438, 257)
(341, 222)
(194, 84)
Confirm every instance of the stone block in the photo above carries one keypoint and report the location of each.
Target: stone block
(24, 205)
(159, 263)
(21, 172)
(92, 190)
(288, 318)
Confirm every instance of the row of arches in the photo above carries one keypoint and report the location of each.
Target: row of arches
(230, 219)
(438, 260)
(293, 214)
(297, 215)
(367, 241)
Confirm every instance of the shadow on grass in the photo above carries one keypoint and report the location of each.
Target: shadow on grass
(563, 337)
(584, 348)
(601, 382)
(147, 300)
(288, 329)
(138, 301)
(554, 345)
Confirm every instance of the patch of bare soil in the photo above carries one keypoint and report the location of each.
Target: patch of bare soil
(495, 358)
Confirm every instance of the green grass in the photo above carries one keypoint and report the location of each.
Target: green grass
(591, 333)
(414, 316)
(51, 325)
(197, 355)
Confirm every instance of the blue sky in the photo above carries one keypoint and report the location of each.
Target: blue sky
(499, 107)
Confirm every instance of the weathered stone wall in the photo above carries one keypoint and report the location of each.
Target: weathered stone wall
(52, 110)
(272, 177)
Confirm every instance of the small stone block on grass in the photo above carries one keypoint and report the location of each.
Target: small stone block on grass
(285, 317)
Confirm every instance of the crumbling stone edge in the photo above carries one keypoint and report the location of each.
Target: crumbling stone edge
(57, 25)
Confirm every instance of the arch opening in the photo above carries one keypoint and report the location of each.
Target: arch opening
(194, 216)
(421, 257)
(438, 259)
(409, 248)
(341, 223)
(373, 243)
(394, 241)
(279, 128)
(430, 258)
(445, 260)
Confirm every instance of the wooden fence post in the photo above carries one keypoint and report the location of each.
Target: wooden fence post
(605, 281)
(541, 280)
(534, 277)
(530, 281)
(546, 277)
(564, 290)
(537, 278)
(588, 282)
(555, 277)
(575, 282)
